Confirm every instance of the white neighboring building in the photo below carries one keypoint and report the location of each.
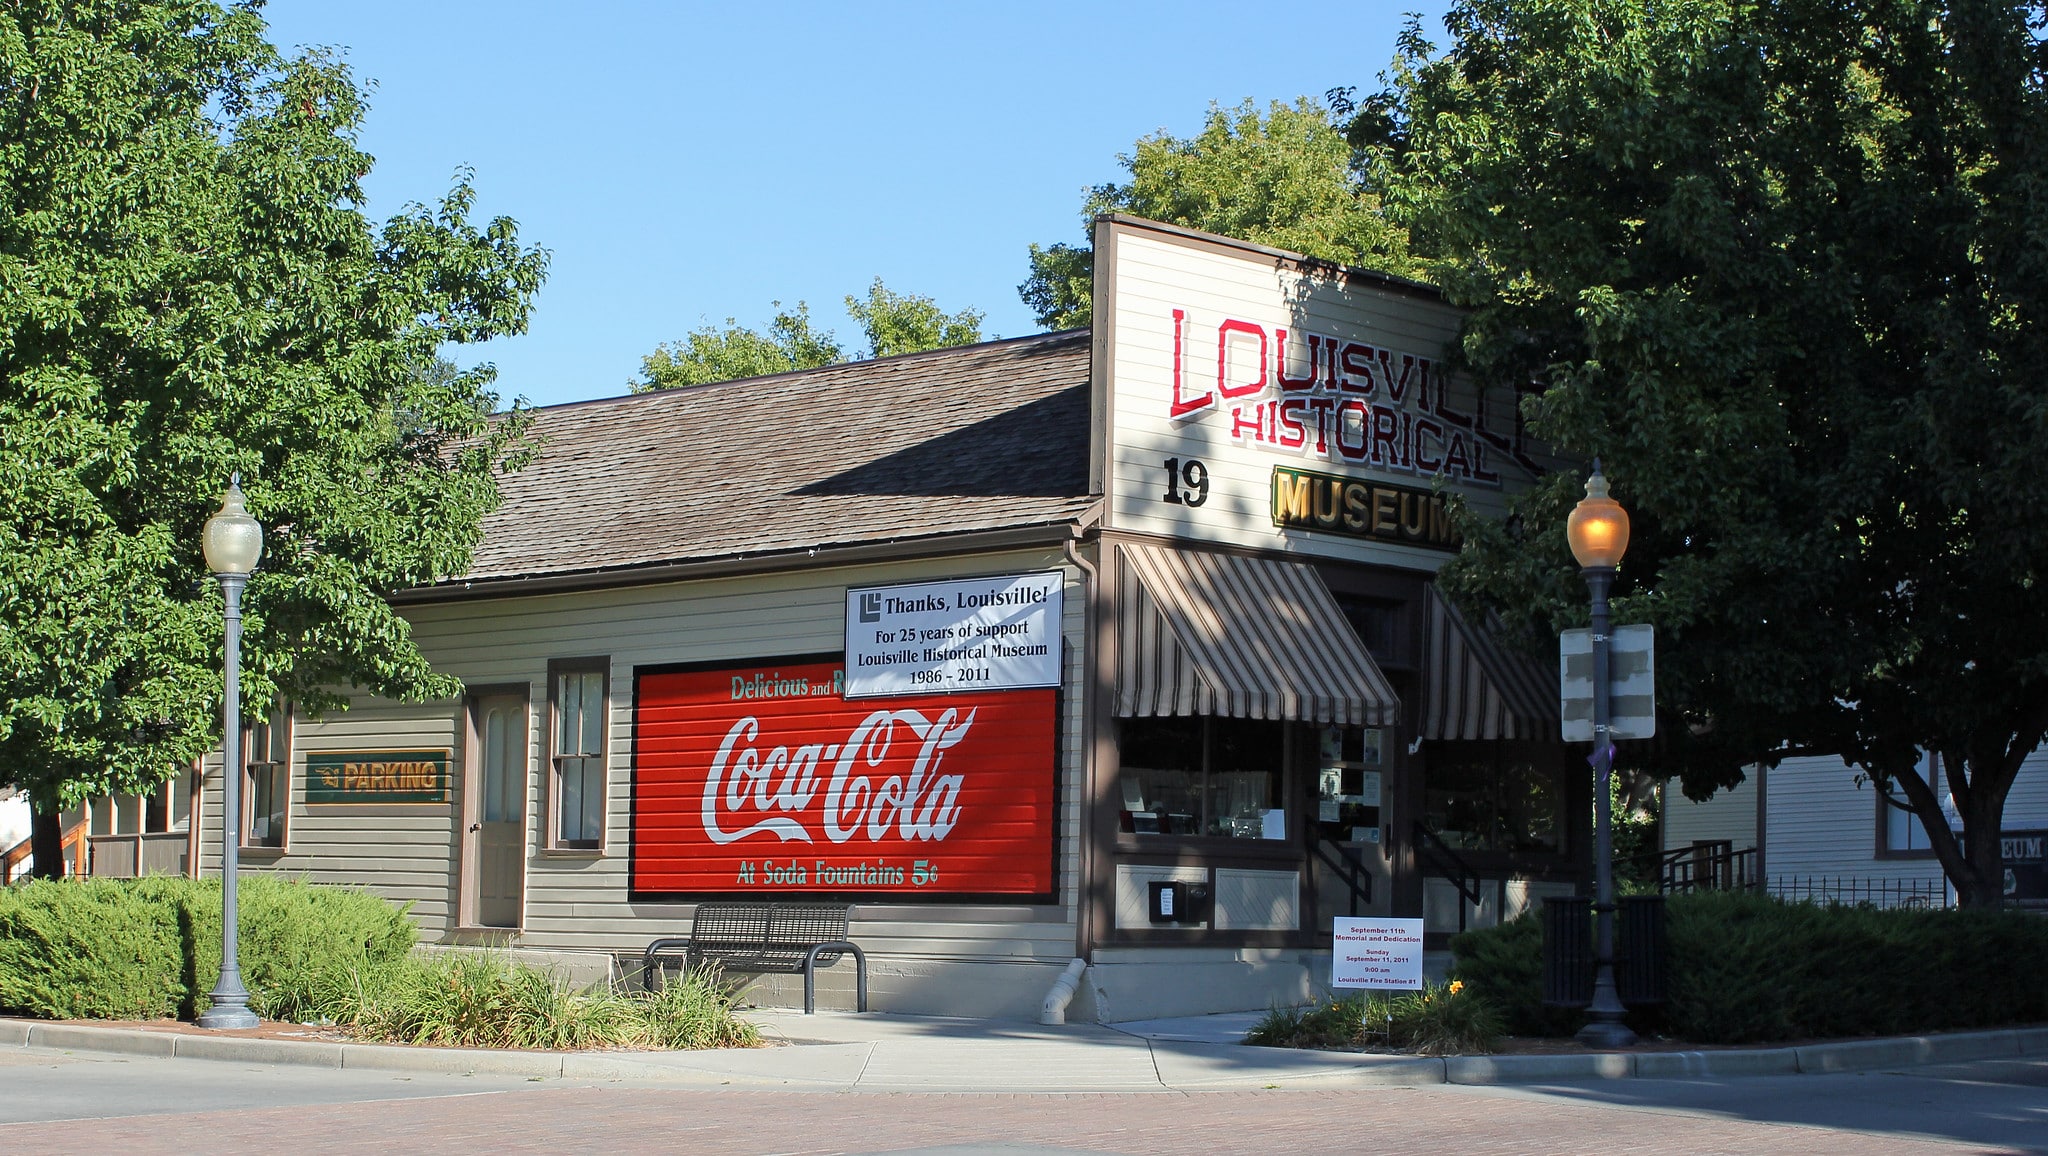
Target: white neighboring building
(1810, 828)
(14, 819)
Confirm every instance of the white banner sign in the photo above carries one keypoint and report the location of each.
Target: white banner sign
(961, 634)
(1384, 953)
(1631, 682)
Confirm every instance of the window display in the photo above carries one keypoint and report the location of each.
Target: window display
(1218, 777)
(1348, 785)
(1494, 797)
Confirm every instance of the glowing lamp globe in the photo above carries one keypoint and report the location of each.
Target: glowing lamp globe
(1598, 529)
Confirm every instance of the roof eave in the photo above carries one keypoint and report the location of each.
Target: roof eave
(1050, 533)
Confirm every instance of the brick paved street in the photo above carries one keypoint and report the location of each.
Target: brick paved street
(591, 1119)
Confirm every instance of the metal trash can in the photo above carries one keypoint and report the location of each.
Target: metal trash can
(1639, 951)
(1568, 956)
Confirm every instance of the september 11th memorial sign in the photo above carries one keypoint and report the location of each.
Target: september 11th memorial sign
(1376, 953)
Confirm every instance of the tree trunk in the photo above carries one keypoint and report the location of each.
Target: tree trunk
(46, 832)
(1982, 883)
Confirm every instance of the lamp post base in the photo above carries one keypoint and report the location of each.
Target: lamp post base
(218, 1018)
(1606, 1035)
(230, 1010)
(227, 1019)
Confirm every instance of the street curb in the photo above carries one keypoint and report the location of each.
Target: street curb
(454, 1061)
(117, 1040)
(1716, 1065)
(236, 1049)
(1907, 1051)
(1538, 1069)
(1847, 1056)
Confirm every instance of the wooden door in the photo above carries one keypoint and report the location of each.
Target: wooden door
(495, 779)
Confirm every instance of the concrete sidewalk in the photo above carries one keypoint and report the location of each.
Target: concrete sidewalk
(844, 1052)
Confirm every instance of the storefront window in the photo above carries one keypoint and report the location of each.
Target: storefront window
(1218, 777)
(1494, 797)
(1349, 767)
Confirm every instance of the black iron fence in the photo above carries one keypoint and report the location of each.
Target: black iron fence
(1850, 891)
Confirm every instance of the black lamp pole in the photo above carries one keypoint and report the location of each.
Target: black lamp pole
(1605, 1028)
(1598, 532)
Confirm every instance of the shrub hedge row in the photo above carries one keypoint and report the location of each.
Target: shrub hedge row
(150, 948)
(1746, 968)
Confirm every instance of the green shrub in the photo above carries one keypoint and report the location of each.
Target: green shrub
(90, 949)
(1437, 1020)
(149, 948)
(1504, 966)
(1445, 1020)
(1746, 968)
(300, 942)
(1329, 1023)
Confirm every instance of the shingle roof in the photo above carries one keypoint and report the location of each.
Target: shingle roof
(982, 437)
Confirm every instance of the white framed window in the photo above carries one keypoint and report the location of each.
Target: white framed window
(1900, 833)
(579, 710)
(267, 779)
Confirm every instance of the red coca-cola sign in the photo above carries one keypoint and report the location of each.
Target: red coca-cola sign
(763, 779)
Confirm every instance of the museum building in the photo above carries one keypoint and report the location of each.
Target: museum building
(1117, 645)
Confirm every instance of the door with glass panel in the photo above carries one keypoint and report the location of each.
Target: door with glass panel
(495, 778)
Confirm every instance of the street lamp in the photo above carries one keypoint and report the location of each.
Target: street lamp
(1598, 532)
(232, 542)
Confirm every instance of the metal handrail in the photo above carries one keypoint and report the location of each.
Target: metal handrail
(1350, 868)
(74, 839)
(1434, 852)
(1712, 867)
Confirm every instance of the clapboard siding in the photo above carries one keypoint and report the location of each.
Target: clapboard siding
(405, 853)
(577, 901)
(1729, 815)
(1156, 272)
(1821, 823)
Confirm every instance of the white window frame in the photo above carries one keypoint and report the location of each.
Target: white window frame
(268, 747)
(580, 761)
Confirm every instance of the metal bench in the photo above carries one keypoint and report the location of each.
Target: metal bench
(783, 938)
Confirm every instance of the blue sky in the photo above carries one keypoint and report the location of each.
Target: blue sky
(689, 162)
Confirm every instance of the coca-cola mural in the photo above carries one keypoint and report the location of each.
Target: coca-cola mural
(764, 779)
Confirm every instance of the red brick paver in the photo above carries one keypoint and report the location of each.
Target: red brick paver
(587, 1119)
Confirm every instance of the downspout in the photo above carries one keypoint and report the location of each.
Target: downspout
(1054, 1010)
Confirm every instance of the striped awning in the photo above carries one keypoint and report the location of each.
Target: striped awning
(1223, 634)
(1474, 688)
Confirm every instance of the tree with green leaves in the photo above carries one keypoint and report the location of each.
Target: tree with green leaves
(192, 290)
(712, 354)
(908, 323)
(1783, 264)
(893, 322)
(1283, 178)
